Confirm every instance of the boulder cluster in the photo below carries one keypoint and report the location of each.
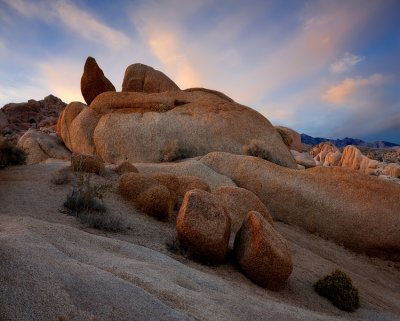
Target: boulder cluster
(207, 219)
(153, 120)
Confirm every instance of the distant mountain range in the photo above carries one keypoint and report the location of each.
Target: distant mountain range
(309, 140)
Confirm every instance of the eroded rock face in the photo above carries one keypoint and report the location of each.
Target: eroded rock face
(144, 125)
(142, 78)
(262, 253)
(238, 202)
(40, 146)
(354, 159)
(203, 227)
(93, 81)
(32, 114)
(359, 211)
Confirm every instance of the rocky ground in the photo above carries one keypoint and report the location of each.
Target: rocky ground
(52, 265)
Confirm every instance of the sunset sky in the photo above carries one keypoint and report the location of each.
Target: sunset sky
(325, 68)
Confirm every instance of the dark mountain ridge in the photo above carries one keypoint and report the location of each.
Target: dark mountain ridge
(309, 140)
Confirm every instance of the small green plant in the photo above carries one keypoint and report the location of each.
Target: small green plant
(174, 151)
(86, 203)
(338, 289)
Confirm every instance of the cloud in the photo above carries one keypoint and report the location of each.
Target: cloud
(345, 63)
(76, 19)
(90, 28)
(61, 78)
(340, 93)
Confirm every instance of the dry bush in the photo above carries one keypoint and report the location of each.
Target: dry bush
(86, 203)
(338, 289)
(256, 148)
(174, 151)
(10, 154)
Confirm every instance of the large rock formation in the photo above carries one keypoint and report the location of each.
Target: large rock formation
(142, 78)
(356, 210)
(93, 81)
(40, 146)
(144, 125)
(36, 114)
(262, 253)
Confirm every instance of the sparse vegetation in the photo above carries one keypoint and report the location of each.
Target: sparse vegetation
(256, 149)
(174, 246)
(86, 203)
(174, 151)
(338, 289)
(10, 154)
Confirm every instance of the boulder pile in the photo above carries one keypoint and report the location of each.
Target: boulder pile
(152, 117)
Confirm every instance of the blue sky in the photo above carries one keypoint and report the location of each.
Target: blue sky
(325, 68)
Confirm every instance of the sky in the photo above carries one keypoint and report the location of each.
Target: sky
(324, 68)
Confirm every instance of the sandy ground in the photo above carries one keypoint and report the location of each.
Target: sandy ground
(52, 265)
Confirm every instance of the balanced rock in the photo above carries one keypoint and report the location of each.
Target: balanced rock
(93, 81)
(40, 146)
(87, 163)
(291, 138)
(262, 253)
(142, 78)
(359, 211)
(203, 227)
(353, 158)
(238, 202)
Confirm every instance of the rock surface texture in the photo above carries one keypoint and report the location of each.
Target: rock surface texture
(144, 124)
(262, 253)
(203, 226)
(93, 81)
(356, 210)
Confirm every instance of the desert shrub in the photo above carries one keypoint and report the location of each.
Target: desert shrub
(338, 289)
(256, 149)
(62, 176)
(174, 151)
(86, 203)
(10, 154)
